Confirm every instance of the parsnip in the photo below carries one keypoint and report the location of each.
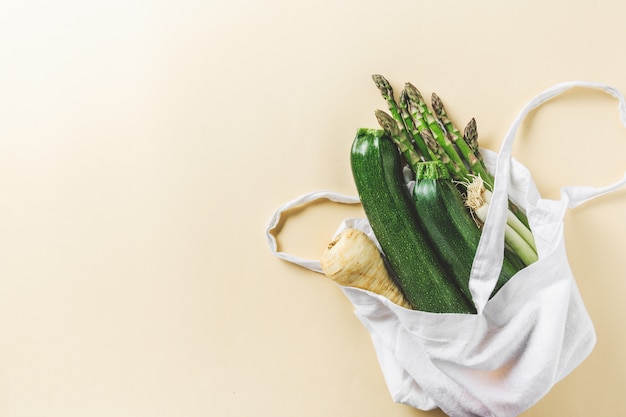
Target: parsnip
(353, 260)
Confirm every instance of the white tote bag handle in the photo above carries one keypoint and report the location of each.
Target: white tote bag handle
(313, 265)
(490, 252)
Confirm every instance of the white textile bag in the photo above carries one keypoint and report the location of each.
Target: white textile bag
(525, 339)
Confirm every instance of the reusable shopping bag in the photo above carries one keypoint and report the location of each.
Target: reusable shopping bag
(530, 335)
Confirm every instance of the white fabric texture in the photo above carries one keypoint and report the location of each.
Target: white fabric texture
(525, 339)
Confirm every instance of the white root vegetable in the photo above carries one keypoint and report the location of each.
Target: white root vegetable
(353, 260)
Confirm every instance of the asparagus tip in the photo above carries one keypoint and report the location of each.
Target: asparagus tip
(404, 97)
(413, 93)
(470, 133)
(437, 104)
(386, 122)
(381, 82)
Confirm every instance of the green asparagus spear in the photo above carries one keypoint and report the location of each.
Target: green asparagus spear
(418, 128)
(470, 134)
(468, 143)
(400, 137)
(468, 153)
(387, 92)
(417, 101)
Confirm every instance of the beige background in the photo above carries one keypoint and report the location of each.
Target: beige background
(144, 145)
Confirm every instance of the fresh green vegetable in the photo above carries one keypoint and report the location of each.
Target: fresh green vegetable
(467, 146)
(422, 111)
(400, 138)
(413, 102)
(436, 138)
(468, 143)
(421, 274)
(470, 135)
(516, 236)
(450, 225)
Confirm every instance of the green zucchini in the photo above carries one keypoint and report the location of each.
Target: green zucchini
(450, 225)
(386, 200)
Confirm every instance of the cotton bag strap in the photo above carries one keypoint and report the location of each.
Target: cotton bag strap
(313, 265)
(490, 252)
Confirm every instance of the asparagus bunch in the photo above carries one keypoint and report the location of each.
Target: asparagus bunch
(425, 135)
(434, 136)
